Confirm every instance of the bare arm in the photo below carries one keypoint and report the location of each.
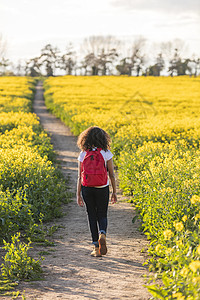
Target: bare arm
(112, 179)
(78, 194)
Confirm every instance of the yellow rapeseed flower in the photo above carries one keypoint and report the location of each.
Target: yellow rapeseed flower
(168, 251)
(167, 234)
(158, 247)
(195, 199)
(194, 266)
(198, 249)
(197, 217)
(196, 280)
(179, 243)
(184, 218)
(184, 272)
(178, 226)
(178, 296)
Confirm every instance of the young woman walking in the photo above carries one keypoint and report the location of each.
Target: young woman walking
(95, 159)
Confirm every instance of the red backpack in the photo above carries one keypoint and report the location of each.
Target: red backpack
(94, 172)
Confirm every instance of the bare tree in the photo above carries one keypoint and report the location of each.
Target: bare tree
(90, 60)
(194, 64)
(160, 63)
(33, 67)
(49, 59)
(178, 65)
(106, 59)
(173, 63)
(4, 63)
(125, 67)
(67, 61)
(137, 54)
(173, 52)
(84, 66)
(156, 69)
(100, 53)
(135, 58)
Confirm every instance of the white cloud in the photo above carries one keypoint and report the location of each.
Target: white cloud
(168, 6)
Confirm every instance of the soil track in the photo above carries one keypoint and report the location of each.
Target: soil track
(70, 271)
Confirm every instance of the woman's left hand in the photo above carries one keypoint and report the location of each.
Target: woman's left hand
(80, 201)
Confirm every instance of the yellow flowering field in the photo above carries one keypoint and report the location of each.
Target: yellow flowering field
(15, 95)
(31, 188)
(155, 128)
(130, 108)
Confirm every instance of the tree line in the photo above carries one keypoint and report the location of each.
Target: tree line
(105, 55)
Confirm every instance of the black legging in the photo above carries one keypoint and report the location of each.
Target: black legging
(96, 200)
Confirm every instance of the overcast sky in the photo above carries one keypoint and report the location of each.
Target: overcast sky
(29, 25)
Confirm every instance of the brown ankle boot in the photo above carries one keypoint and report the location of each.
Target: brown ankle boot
(102, 244)
(96, 252)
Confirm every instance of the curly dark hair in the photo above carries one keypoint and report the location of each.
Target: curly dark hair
(94, 137)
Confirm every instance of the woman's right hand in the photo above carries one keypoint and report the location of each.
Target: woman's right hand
(80, 201)
(113, 198)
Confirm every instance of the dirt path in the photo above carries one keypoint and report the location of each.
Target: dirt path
(70, 271)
